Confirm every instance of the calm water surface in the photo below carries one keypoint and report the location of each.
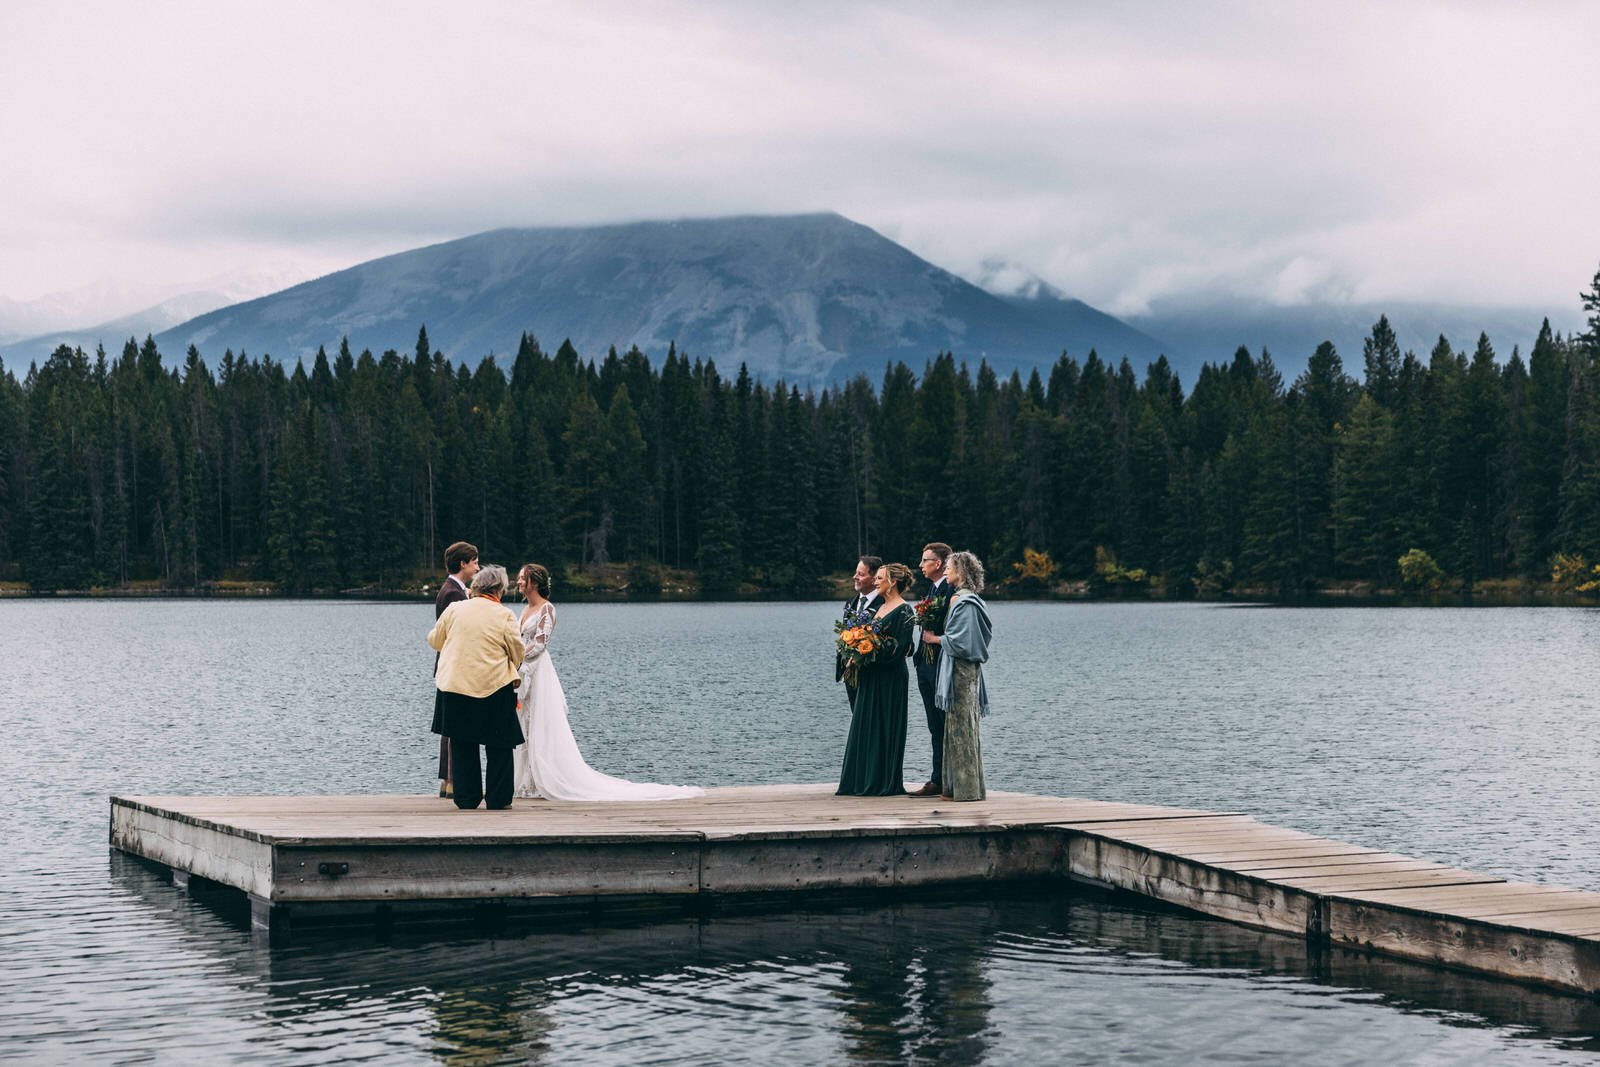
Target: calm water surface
(1463, 736)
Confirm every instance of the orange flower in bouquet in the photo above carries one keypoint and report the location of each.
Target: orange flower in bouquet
(857, 645)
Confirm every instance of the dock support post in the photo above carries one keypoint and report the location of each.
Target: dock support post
(269, 922)
(1318, 922)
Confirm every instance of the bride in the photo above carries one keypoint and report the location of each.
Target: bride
(549, 764)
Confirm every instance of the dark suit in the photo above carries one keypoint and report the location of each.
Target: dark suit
(450, 591)
(926, 675)
(851, 606)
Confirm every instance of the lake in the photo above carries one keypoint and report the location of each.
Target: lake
(1459, 735)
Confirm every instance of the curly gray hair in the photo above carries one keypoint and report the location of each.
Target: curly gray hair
(490, 579)
(965, 571)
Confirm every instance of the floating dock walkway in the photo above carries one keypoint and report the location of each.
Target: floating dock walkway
(382, 857)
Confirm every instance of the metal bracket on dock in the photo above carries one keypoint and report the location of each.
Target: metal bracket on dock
(333, 870)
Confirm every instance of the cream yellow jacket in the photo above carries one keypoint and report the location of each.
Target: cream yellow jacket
(479, 647)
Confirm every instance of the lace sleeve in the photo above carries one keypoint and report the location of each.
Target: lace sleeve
(537, 632)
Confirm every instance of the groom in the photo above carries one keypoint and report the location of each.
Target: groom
(461, 560)
(865, 600)
(934, 554)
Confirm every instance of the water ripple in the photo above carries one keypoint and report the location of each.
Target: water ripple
(1462, 736)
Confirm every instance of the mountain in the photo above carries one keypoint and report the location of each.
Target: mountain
(151, 320)
(56, 319)
(1212, 332)
(73, 309)
(804, 298)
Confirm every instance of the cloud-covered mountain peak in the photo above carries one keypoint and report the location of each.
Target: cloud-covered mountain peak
(805, 298)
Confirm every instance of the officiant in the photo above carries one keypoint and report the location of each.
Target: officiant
(479, 653)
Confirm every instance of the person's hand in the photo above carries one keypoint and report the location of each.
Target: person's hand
(930, 639)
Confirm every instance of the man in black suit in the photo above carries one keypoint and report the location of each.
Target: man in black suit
(864, 601)
(461, 560)
(934, 553)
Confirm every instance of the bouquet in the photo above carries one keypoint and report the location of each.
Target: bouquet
(931, 611)
(860, 641)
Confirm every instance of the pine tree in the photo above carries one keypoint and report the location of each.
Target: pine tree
(1578, 524)
(586, 515)
(1541, 431)
(1380, 352)
(893, 500)
(1326, 397)
(61, 540)
(628, 479)
(1364, 538)
(719, 555)
(13, 422)
(1591, 304)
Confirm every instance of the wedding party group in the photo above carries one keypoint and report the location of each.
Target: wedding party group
(946, 635)
(501, 714)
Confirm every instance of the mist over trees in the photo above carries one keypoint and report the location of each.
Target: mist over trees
(354, 471)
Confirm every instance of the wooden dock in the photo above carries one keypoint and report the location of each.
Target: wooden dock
(311, 858)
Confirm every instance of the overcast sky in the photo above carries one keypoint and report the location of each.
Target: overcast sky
(1125, 153)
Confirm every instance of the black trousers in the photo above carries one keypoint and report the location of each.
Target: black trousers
(468, 780)
(927, 673)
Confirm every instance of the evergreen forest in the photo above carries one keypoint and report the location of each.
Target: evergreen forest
(351, 472)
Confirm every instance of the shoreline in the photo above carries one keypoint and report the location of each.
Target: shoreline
(1076, 593)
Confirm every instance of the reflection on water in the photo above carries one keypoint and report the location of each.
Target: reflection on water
(1044, 975)
(1432, 733)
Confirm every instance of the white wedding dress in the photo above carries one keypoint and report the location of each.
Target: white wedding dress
(549, 764)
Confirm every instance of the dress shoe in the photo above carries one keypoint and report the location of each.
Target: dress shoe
(931, 789)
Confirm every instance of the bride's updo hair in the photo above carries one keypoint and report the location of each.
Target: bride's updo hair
(900, 576)
(539, 575)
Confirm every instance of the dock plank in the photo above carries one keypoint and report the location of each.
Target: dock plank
(1382, 865)
(1247, 854)
(1261, 866)
(1494, 897)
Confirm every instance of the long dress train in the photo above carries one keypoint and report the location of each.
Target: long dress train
(549, 765)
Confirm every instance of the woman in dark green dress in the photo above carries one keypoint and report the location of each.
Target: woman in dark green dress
(874, 756)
